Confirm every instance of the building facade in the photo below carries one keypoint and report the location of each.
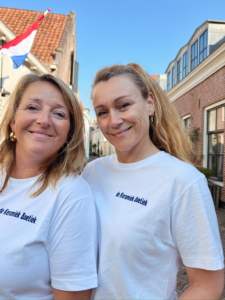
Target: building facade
(99, 143)
(53, 51)
(196, 87)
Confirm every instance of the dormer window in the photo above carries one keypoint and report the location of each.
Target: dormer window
(194, 55)
(179, 70)
(168, 81)
(173, 77)
(185, 64)
(203, 46)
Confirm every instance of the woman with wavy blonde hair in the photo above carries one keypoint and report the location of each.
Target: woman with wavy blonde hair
(155, 208)
(46, 210)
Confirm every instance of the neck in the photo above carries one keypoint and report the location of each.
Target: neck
(137, 153)
(27, 168)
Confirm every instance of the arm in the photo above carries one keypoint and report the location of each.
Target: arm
(72, 243)
(64, 295)
(203, 284)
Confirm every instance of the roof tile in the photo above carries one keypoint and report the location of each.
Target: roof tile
(49, 32)
(155, 77)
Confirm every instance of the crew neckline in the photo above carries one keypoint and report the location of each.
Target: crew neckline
(138, 164)
(19, 182)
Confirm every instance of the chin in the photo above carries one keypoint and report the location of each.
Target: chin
(123, 149)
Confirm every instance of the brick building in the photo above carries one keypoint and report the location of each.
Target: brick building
(196, 86)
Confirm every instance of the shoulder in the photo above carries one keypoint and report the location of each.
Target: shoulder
(71, 191)
(73, 185)
(98, 165)
(180, 170)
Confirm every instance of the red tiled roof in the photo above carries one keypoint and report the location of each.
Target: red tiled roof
(155, 77)
(49, 32)
(94, 122)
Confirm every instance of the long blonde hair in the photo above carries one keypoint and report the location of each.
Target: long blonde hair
(70, 158)
(166, 130)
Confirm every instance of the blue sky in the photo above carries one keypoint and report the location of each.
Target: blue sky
(148, 32)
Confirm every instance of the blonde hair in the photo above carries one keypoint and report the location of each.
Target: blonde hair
(166, 130)
(71, 157)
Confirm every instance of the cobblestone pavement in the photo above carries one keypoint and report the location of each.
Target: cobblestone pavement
(182, 280)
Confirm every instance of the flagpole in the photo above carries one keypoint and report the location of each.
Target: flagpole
(47, 11)
(1, 74)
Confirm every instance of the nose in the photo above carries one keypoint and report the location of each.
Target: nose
(44, 118)
(115, 119)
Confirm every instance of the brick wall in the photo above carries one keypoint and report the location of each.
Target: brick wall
(193, 102)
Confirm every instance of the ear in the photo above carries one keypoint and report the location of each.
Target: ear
(151, 104)
(12, 125)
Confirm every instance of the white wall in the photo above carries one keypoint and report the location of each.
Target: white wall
(87, 123)
(104, 145)
(10, 76)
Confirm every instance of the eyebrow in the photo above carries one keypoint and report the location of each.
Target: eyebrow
(114, 101)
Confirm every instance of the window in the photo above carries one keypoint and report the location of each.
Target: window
(194, 55)
(203, 46)
(71, 68)
(215, 133)
(168, 81)
(179, 70)
(173, 77)
(187, 123)
(185, 64)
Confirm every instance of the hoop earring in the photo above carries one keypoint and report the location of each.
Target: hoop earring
(12, 137)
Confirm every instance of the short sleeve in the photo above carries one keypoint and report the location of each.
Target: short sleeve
(72, 247)
(195, 228)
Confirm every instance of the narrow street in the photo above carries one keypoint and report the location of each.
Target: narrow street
(182, 280)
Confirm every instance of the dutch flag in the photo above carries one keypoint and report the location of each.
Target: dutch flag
(19, 47)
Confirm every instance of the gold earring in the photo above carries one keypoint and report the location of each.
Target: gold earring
(12, 136)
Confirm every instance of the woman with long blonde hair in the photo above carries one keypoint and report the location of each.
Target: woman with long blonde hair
(155, 208)
(47, 213)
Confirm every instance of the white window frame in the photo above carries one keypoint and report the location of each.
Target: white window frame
(205, 137)
(184, 118)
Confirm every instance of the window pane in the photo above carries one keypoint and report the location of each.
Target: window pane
(212, 143)
(220, 118)
(194, 55)
(220, 166)
(212, 120)
(168, 81)
(205, 38)
(203, 46)
(212, 163)
(186, 123)
(220, 143)
(185, 64)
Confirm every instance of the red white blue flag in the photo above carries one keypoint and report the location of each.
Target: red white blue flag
(19, 47)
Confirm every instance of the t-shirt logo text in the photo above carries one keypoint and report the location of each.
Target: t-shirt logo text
(132, 198)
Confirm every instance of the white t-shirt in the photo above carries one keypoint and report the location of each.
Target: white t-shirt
(47, 241)
(153, 214)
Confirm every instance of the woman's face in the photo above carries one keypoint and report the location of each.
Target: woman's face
(123, 114)
(41, 122)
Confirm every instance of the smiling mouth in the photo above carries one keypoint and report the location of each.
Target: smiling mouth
(40, 133)
(121, 131)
